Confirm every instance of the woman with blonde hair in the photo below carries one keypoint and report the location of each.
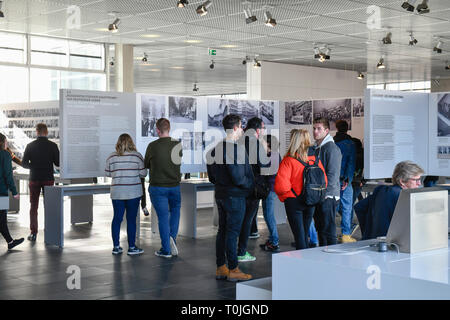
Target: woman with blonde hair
(289, 185)
(126, 167)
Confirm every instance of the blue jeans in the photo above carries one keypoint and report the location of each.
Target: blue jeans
(251, 209)
(167, 203)
(231, 214)
(131, 206)
(313, 234)
(269, 217)
(346, 209)
(299, 220)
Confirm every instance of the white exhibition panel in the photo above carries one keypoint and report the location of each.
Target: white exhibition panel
(439, 134)
(396, 129)
(90, 124)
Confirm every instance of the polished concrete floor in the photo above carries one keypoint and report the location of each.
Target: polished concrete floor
(37, 271)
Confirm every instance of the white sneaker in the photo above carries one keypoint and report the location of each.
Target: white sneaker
(173, 247)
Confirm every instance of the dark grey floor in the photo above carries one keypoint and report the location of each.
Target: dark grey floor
(35, 271)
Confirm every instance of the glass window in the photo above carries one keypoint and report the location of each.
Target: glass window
(44, 84)
(49, 51)
(13, 84)
(12, 47)
(86, 55)
(83, 81)
(376, 86)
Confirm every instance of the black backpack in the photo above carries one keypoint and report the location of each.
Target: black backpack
(314, 184)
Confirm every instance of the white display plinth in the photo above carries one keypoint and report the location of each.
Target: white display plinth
(314, 274)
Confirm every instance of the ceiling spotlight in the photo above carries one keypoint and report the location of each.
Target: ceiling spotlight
(111, 63)
(360, 76)
(438, 46)
(114, 27)
(408, 5)
(380, 64)
(423, 7)
(182, 3)
(447, 67)
(249, 17)
(202, 9)
(211, 66)
(245, 60)
(195, 89)
(412, 40)
(316, 53)
(387, 39)
(144, 59)
(256, 63)
(269, 21)
(1, 12)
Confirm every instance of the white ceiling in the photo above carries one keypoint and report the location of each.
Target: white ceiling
(160, 29)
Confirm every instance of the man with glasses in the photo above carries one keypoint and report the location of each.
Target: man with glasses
(375, 212)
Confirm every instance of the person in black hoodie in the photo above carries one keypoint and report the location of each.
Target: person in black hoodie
(40, 155)
(230, 172)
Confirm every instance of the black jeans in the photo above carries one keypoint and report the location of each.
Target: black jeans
(231, 214)
(324, 219)
(4, 226)
(251, 209)
(299, 219)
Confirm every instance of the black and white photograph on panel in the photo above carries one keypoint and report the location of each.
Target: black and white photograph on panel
(218, 109)
(358, 107)
(199, 140)
(443, 115)
(333, 110)
(443, 152)
(247, 109)
(182, 109)
(298, 112)
(152, 109)
(267, 111)
(187, 141)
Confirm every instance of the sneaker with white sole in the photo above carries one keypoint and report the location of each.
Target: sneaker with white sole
(254, 235)
(117, 250)
(246, 257)
(173, 247)
(134, 251)
(163, 254)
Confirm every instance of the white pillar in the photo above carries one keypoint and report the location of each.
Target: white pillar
(288, 82)
(124, 63)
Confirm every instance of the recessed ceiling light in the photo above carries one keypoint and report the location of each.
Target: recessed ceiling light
(151, 35)
(177, 68)
(102, 29)
(154, 70)
(229, 46)
(193, 41)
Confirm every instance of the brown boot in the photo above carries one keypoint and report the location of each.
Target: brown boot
(222, 272)
(238, 275)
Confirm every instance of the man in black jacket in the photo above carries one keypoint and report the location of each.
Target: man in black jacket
(39, 156)
(230, 172)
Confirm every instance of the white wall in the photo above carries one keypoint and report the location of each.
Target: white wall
(288, 82)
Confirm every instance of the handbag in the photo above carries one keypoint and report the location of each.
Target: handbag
(262, 187)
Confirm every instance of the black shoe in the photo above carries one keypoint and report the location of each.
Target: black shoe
(146, 213)
(269, 246)
(14, 243)
(313, 245)
(32, 237)
(293, 245)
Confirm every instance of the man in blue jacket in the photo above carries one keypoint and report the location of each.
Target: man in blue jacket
(231, 173)
(348, 151)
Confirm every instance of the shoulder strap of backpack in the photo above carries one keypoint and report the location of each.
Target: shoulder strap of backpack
(303, 163)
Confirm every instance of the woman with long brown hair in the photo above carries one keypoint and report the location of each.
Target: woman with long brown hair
(6, 183)
(126, 167)
(289, 184)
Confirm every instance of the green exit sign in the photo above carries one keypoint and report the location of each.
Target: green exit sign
(212, 52)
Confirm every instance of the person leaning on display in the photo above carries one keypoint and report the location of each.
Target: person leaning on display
(375, 212)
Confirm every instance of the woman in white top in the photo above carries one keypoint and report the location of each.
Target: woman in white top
(126, 167)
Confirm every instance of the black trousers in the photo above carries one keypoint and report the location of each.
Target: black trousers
(299, 218)
(251, 209)
(324, 219)
(4, 226)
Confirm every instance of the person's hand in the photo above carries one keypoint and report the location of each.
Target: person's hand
(17, 196)
(344, 185)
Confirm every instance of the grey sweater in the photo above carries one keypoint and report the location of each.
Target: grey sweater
(331, 158)
(126, 172)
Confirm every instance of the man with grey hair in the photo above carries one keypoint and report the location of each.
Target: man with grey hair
(375, 212)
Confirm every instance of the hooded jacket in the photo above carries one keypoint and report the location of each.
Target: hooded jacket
(348, 151)
(331, 158)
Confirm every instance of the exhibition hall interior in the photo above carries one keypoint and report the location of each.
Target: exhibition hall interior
(115, 122)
